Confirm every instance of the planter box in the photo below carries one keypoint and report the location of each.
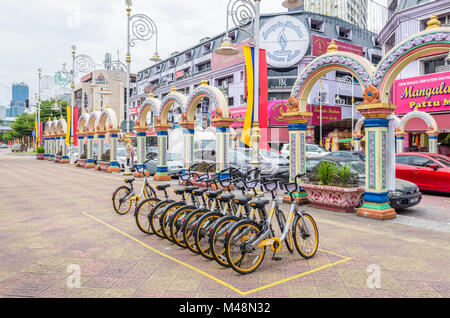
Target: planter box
(104, 165)
(40, 156)
(333, 198)
(58, 159)
(81, 162)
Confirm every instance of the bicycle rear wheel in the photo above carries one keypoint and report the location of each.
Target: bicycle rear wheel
(142, 214)
(155, 215)
(306, 235)
(242, 257)
(121, 206)
(176, 224)
(202, 233)
(188, 228)
(218, 236)
(165, 217)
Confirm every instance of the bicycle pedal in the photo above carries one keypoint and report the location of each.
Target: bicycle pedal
(276, 258)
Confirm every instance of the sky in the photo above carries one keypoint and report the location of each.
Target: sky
(39, 33)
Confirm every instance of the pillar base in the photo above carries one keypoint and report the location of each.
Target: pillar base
(376, 214)
(299, 197)
(113, 169)
(97, 167)
(141, 174)
(162, 177)
(65, 161)
(89, 165)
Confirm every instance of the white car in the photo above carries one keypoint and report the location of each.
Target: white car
(312, 151)
(122, 159)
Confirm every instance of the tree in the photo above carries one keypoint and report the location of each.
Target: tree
(48, 114)
(24, 125)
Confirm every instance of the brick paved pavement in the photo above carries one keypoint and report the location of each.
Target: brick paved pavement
(43, 230)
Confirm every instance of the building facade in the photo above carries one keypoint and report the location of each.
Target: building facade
(20, 94)
(407, 17)
(288, 51)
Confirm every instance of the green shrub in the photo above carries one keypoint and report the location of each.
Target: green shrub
(40, 149)
(331, 174)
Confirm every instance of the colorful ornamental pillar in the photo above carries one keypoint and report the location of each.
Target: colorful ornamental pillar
(298, 122)
(376, 199)
(101, 146)
(222, 143)
(46, 141)
(188, 135)
(162, 169)
(357, 142)
(141, 133)
(90, 150)
(399, 141)
(113, 163)
(432, 141)
(65, 156)
(80, 137)
(52, 147)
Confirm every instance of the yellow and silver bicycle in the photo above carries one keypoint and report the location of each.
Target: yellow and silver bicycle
(246, 242)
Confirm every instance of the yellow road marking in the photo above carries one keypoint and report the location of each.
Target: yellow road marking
(215, 278)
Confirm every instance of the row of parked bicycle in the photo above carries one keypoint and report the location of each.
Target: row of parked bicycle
(214, 222)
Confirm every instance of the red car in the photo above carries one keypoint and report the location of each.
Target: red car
(429, 171)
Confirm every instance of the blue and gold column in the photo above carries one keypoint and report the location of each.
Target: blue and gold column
(432, 141)
(141, 133)
(162, 169)
(65, 156)
(357, 142)
(399, 141)
(90, 151)
(45, 140)
(113, 163)
(222, 144)
(297, 142)
(376, 198)
(101, 147)
(52, 147)
(188, 135)
(80, 141)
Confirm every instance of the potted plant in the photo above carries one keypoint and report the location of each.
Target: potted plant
(82, 160)
(40, 153)
(333, 187)
(104, 162)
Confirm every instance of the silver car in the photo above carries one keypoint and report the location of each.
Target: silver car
(174, 162)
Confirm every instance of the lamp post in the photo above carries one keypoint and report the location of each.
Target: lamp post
(139, 27)
(81, 64)
(245, 14)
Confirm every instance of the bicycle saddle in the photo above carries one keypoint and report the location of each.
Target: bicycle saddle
(179, 191)
(199, 192)
(189, 189)
(213, 194)
(162, 186)
(129, 180)
(226, 197)
(259, 204)
(242, 200)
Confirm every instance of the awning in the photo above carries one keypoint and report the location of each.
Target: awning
(346, 140)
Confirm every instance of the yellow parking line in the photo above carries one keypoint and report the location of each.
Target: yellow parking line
(215, 278)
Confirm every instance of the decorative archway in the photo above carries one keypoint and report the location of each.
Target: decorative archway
(222, 120)
(108, 122)
(433, 39)
(48, 140)
(81, 131)
(150, 104)
(91, 127)
(61, 130)
(432, 131)
(162, 128)
(53, 139)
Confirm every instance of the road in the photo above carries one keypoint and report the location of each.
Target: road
(56, 219)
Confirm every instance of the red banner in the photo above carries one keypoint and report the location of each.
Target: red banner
(75, 126)
(320, 45)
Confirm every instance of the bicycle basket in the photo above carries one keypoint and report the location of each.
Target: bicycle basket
(185, 177)
(271, 185)
(290, 187)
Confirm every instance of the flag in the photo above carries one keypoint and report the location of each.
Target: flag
(75, 126)
(246, 132)
(41, 128)
(68, 126)
(36, 134)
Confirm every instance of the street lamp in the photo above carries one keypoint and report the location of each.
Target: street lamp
(139, 27)
(292, 4)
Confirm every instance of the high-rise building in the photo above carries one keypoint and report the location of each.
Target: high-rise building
(353, 11)
(20, 93)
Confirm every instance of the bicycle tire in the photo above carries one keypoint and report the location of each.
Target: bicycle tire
(202, 230)
(304, 235)
(281, 218)
(235, 263)
(155, 215)
(114, 197)
(176, 224)
(217, 239)
(188, 227)
(142, 213)
(165, 217)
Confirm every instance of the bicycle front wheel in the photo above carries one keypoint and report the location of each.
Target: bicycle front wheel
(202, 233)
(188, 228)
(155, 215)
(306, 235)
(176, 224)
(142, 214)
(120, 203)
(218, 236)
(241, 255)
(165, 218)
(281, 222)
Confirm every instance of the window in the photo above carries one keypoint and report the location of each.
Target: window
(230, 101)
(206, 48)
(172, 62)
(390, 43)
(279, 96)
(276, 72)
(376, 59)
(311, 148)
(442, 160)
(203, 67)
(344, 33)
(188, 55)
(431, 66)
(316, 25)
(420, 161)
(233, 35)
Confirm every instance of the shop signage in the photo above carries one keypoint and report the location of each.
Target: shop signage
(320, 45)
(222, 61)
(179, 73)
(100, 80)
(428, 93)
(285, 39)
(134, 110)
(278, 107)
(281, 82)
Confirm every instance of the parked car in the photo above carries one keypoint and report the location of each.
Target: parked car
(312, 151)
(428, 170)
(122, 159)
(175, 162)
(18, 148)
(3, 146)
(355, 155)
(406, 194)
